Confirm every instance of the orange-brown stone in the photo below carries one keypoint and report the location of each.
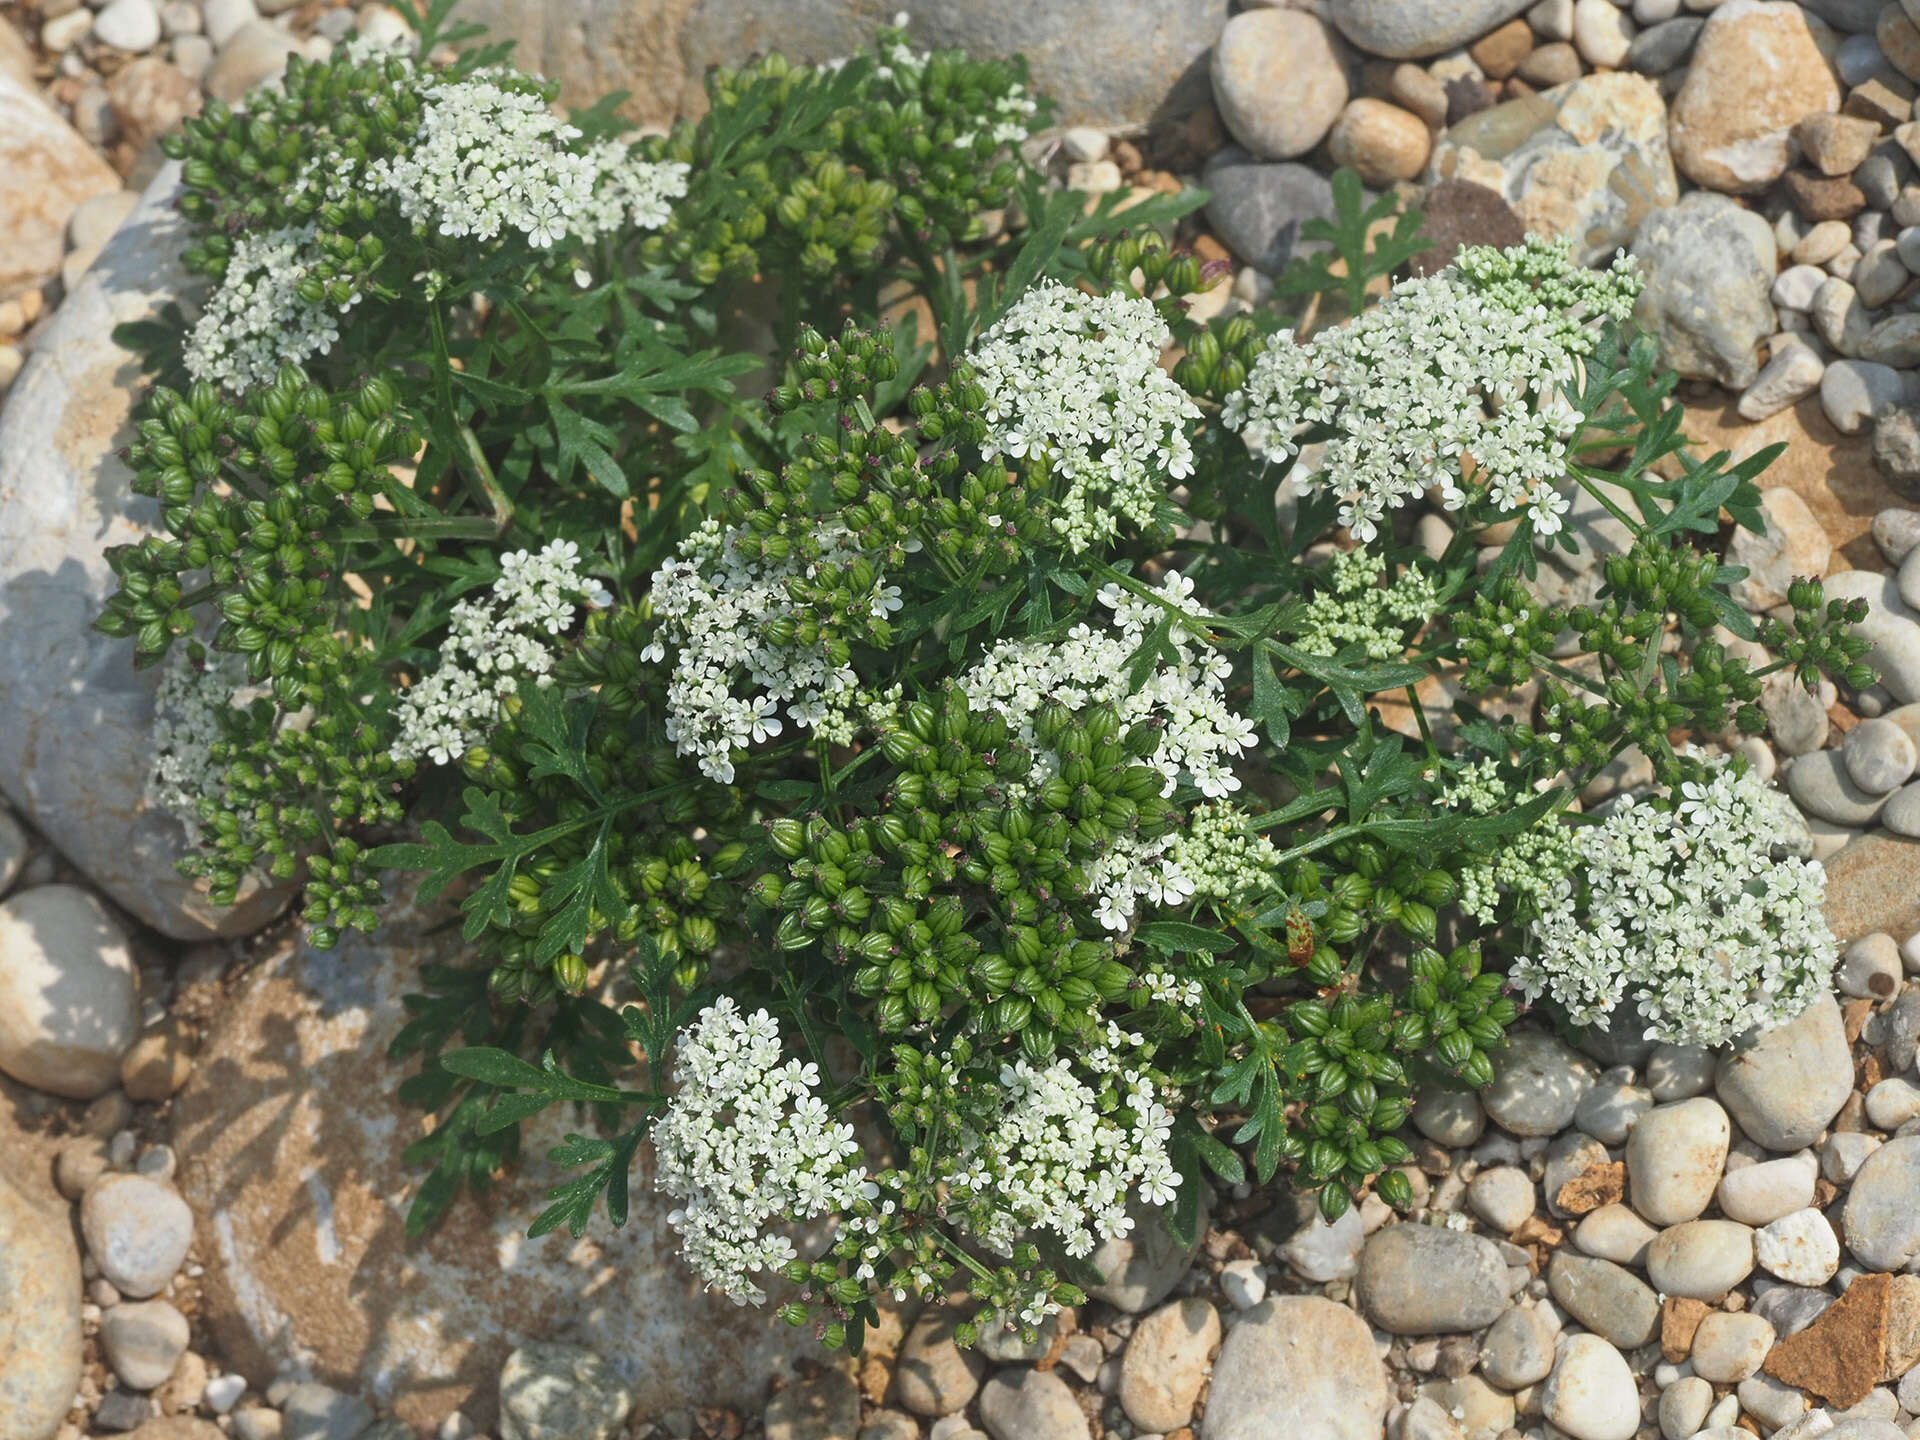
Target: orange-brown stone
(1593, 1187)
(1841, 1356)
(1680, 1316)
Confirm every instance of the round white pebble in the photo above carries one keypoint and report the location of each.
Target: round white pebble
(1800, 1248)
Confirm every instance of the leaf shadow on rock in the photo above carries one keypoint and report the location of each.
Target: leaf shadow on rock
(75, 716)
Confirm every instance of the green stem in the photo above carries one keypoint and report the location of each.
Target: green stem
(480, 480)
(1590, 483)
(423, 527)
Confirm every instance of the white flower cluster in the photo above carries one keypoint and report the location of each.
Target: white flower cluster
(1356, 610)
(714, 606)
(1058, 1159)
(484, 159)
(1076, 378)
(746, 1141)
(193, 693)
(1535, 864)
(255, 321)
(1688, 911)
(1201, 736)
(1224, 861)
(1478, 361)
(1132, 871)
(491, 647)
(628, 191)
(1176, 992)
(488, 158)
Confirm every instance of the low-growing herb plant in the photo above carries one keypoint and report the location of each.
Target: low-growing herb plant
(992, 783)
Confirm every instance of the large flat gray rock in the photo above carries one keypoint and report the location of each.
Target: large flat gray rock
(75, 717)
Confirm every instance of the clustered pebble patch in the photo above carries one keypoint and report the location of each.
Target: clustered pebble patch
(1616, 1238)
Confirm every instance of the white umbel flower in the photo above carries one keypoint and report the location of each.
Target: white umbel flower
(1481, 360)
(1186, 695)
(255, 320)
(492, 647)
(1688, 912)
(746, 1142)
(489, 158)
(194, 692)
(1076, 379)
(1063, 1158)
(715, 605)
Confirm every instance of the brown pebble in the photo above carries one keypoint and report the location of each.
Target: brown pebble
(1550, 65)
(1835, 144)
(1205, 247)
(1841, 1355)
(1824, 197)
(1419, 92)
(1854, 1016)
(1499, 52)
(1383, 142)
(1514, 88)
(157, 1064)
(1879, 102)
(1679, 1318)
(1593, 1187)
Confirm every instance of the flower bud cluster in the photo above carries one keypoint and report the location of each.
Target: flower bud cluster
(1356, 610)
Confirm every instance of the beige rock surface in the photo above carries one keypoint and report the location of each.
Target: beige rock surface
(291, 1137)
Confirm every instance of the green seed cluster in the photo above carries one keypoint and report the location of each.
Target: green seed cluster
(1364, 889)
(829, 173)
(1501, 633)
(956, 901)
(1820, 637)
(262, 170)
(887, 491)
(674, 889)
(252, 495)
(1351, 1067)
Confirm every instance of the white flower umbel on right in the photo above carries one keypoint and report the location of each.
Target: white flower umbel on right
(747, 1142)
(1065, 1154)
(1687, 911)
(1479, 360)
(492, 646)
(1075, 379)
